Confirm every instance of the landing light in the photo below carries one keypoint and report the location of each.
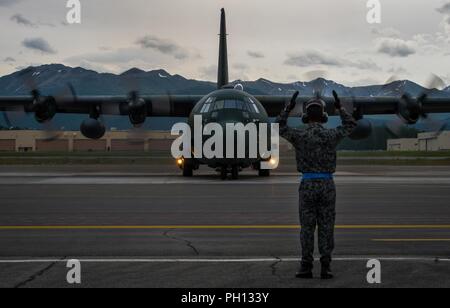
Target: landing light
(180, 161)
(273, 161)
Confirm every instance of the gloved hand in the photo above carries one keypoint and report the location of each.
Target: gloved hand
(291, 105)
(337, 101)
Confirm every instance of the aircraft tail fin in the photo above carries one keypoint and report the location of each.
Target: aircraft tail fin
(222, 78)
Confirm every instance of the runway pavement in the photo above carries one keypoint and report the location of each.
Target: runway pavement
(140, 228)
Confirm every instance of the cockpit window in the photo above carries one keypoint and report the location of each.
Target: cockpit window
(231, 104)
(219, 105)
(255, 108)
(205, 108)
(207, 105)
(244, 104)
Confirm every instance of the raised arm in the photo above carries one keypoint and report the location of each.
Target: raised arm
(348, 122)
(288, 133)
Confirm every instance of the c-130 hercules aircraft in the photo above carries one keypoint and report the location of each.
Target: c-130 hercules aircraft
(228, 104)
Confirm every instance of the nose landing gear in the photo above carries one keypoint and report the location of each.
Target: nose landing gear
(263, 173)
(234, 170)
(223, 173)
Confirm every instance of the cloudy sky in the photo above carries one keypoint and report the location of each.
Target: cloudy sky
(281, 40)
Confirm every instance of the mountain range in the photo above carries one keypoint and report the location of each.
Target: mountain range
(52, 79)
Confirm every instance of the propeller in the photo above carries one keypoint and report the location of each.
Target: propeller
(6, 119)
(410, 110)
(137, 113)
(28, 84)
(68, 94)
(364, 126)
(430, 122)
(318, 88)
(44, 107)
(137, 110)
(137, 107)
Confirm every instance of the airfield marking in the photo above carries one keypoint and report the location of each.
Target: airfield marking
(219, 227)
(413, 240)
(223, 260)
(106, 179)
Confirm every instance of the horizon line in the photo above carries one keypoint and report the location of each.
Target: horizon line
(445, 89)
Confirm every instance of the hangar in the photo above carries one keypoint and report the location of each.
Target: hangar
(425, 142)
(71, 141)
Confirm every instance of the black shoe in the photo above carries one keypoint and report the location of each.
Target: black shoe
(326, 272)
(305, 271)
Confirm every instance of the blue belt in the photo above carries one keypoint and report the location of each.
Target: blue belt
(317, 176)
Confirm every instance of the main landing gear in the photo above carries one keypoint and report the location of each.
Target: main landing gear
(234, 170)
(187, 166)
(261, 172)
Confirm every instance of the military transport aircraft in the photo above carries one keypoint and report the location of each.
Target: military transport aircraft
(229, 104)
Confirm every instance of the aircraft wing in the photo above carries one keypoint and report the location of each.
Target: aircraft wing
(363, 105)
(155, 105)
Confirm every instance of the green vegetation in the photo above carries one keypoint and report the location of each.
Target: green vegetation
(137, 154)
(411, 154)
(396, 162)
(164, 158)
(85, 158)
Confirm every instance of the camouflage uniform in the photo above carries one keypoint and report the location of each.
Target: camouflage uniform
(315, 148)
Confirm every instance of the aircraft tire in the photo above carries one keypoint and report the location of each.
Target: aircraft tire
(235, 172)
(264, 173)
(223, 173)
(188, 170)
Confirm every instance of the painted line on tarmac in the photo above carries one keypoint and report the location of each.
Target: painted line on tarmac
(86, 180)
(399, 240)
(213, 181)
(222, 260)
(222, 227)
(145, 174)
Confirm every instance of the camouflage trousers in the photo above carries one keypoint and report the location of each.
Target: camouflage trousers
(317, 202)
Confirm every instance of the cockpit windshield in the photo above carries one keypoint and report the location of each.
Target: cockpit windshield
(231, 104)
(246, 104)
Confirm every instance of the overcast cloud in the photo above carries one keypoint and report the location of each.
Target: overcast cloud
(18, 18)
(6, 3)
(445, 9)
(280, 41)
(255, 54)
(38, 44)
(311, 58)
(396, 47)
(163, 46)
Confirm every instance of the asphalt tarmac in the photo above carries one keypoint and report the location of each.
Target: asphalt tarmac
(141, 228)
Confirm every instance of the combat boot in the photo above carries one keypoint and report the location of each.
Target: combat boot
(305, 271)
(326, 272)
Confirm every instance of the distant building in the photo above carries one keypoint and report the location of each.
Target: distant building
(426, 142)
(70, 141)
(74, 141)
(434, 142)
(411, 144)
